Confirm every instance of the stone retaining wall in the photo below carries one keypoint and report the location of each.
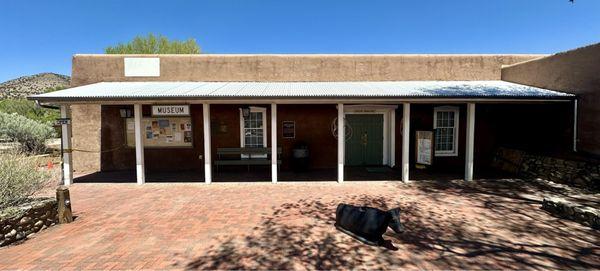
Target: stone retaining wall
(31, 218)
(578, 173)
(565, 209)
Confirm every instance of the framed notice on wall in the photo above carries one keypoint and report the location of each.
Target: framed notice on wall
(162, 132)
(424, 145)
(288, 129)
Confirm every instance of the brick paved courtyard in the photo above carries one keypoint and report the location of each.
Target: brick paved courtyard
(450, 225)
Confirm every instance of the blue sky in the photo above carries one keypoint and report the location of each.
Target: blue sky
(41, 36)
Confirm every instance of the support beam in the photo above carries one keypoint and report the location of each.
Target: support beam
(341, 135)
(274, 143)
(207, 141)
(405, 141)
(139, 145)
(470, 142)
(67, 145)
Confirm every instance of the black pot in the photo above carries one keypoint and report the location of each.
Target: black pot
(300, 157)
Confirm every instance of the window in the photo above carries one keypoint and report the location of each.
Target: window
(253, 129)
(445, 124)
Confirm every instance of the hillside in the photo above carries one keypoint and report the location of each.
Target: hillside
(34, 84)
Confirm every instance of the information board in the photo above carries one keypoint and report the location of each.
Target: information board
(163, 132)
(288, 129)
(424, 147)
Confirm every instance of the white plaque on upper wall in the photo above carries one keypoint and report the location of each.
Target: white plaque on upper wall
(171, 110)
(142, 66)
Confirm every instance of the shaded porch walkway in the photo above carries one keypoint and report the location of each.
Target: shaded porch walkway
(259, 174)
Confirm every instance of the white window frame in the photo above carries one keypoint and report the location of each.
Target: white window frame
(254, 109)
(456, 110)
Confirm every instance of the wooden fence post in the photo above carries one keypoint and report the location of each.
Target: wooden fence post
(65, 215)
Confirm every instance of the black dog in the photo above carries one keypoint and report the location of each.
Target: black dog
(367, 224)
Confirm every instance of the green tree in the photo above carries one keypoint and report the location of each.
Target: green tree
(152, 44)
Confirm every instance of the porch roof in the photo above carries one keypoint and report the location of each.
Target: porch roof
(146, 91)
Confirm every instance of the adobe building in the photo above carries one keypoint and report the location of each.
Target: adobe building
(215, 116)
(576, 71)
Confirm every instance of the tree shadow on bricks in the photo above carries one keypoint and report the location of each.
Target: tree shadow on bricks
(301, 235)
(502, 226)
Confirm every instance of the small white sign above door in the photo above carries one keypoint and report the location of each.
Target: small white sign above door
(170, 110)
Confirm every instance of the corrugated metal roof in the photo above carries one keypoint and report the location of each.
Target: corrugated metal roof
(116, 91)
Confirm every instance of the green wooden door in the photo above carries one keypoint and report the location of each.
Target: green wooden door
(365, 145)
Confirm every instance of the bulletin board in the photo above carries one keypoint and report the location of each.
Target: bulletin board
(424, 147)
(162, 132)
(288, 129)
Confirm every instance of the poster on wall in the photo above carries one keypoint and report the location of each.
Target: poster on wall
(424, 147)
(288, 129)
(162, 132)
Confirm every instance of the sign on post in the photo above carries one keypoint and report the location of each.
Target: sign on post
(62, 121)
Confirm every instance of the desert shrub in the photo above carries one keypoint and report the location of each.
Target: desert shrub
(28, 109)
(30, 133)
(20, 178)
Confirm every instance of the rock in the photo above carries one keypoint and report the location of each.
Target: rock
(25, 220)
(6, 228)
(579, 181)
(10, 234)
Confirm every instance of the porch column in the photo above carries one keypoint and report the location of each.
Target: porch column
(470, 142)
(405, 141)
(139, 145)
(274, 143)
(207, 150)
(575, 125)
(67, 159)
(341, 141)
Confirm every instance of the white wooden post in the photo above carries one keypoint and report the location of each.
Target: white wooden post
(67, 145)
(405, 141)
(393, 139)
(274, 143)
(575, 126)
(139, 145)
(341, 141)
(207, 141)
(470, 142)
